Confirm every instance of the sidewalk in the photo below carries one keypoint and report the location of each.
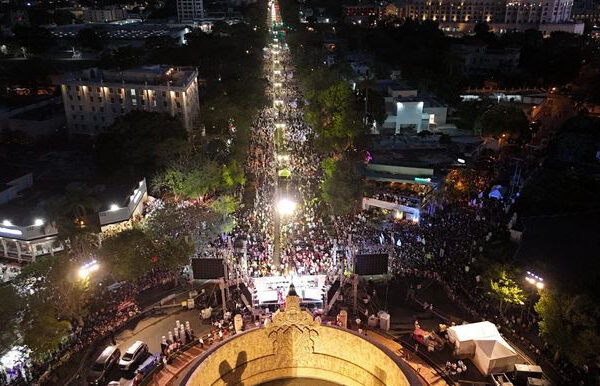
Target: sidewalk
(424, 370)
(180, 363)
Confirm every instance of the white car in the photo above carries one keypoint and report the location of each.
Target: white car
(135, 354)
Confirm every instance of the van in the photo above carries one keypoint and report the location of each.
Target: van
(135, 354)
(103, 364)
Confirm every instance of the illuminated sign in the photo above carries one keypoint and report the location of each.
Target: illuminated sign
(8, 231)
(422, 180)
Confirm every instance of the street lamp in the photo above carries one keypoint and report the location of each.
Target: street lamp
(535, 280)
(86, 269)
(285, 206)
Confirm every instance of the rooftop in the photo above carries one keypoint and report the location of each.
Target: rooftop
(145, 75)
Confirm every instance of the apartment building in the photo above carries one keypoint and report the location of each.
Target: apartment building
(94, 98)
(190, 10)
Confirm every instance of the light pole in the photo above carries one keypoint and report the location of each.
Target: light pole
(87, 269)
(536, 281)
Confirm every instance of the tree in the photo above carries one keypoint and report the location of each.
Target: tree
(140, 142)
(52, 294)
(12, 304)
(502, 120)
(129, 254)
(335, 117)
(570, 324)
(70, 211)
(505, 290)
(341, 187)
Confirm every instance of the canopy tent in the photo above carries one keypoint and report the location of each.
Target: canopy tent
(464, 336)
(494, 356)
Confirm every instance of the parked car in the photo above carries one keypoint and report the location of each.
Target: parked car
(135, 353)
(102, 366)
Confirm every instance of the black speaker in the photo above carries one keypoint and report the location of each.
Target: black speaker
(208, 268)
(372, 264)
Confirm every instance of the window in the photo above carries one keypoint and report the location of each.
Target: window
(165, 103)
(114, 110)
(72, 107)
(69, 87)
(178, 105)
(132, 91)
(101, 109)
(100, 100)
(134, 102)
(81, 117)
(143, 102)
(80, 108)
(177, 94)
(93, 108)
(98, 90)
(110, 90)
(112, 100)
(78, 97)
(77, 88)
(74, 116)
(91, 99)
(121, 100)
(164, 93)
(70, 97)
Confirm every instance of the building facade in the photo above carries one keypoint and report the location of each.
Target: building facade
(104, 15)
(95, 98)
(461, 16)
(190, 10)
(413, 114)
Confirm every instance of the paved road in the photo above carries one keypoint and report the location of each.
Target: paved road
(149, 330)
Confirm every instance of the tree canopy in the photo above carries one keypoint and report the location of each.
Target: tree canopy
(138, 142)
(502, 120)
(341, 187)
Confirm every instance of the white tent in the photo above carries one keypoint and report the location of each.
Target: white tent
(494, 356)
(464, 336)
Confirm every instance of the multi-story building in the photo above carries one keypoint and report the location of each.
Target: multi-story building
(104, 15)
(501, 15)
(94, 98)
(462, 15)
(190, 10)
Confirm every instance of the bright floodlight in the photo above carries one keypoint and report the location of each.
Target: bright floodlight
(88, 268)
(285, 206)
(7, 223)
(38, 222)
(539, 285)
(114, 207)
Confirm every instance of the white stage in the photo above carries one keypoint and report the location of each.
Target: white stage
(274, 289)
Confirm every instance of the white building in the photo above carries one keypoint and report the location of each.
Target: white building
(94, 97)
(413, 114)
(104, 15)
(501, 15)
(190, 10)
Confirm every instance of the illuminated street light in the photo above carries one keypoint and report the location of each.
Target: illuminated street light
(87, 269)
(114, 207)
(38, 222)
(535, 280)
(285, 206)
